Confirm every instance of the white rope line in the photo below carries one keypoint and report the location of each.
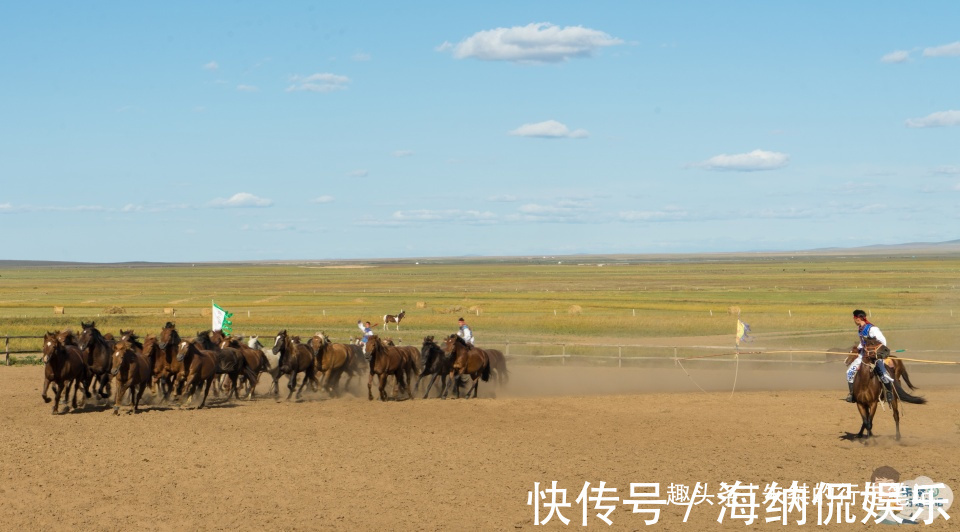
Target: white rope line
(677, 360)
(735, 374)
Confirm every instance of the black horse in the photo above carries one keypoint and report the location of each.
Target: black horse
(437, 363)
(98, 356)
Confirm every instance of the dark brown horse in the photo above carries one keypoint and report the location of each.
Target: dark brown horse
(131, 338)
(171, 375)
(255, 360)
(229, 361)
(64, 367)
(133, 371)
(867, 389)
(469, 360)
(434, 362)
(385, 360)
(295, 358)
(151, 350)
(97, 354)
(200, 366)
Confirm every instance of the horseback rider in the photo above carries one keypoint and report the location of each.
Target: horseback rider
(367, 333)
(465, 332)
(866, 330)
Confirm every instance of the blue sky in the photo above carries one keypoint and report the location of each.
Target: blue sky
(185, 131)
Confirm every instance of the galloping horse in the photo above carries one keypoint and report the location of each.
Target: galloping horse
(867, 389)
(390, 318)
(332, 361)
(132, 370)
(64, 367)
(172, 374)
(97, 354)
(469, 360)
(229, 361)
(434, 362)
(295, 358)
(385, 360)
(256, 361)
(151, 350)
(200, 367)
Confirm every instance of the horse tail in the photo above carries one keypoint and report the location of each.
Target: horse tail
(906, 376)
(904, 396)
(485, 372)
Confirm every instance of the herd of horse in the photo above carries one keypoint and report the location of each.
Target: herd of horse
(176, 369)
(173, 366)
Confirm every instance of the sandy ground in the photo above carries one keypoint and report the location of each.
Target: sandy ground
(350, 464)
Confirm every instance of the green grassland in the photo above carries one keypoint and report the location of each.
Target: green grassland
(797, 302)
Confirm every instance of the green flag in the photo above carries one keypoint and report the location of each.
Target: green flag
(221, 319)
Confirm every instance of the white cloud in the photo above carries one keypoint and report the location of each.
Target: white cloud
(358, 173)
(361, 56)
(756, 160)
(668, 214)
(947, 170)
(956, 187)
(946, 50)
(571, 211)
(450, 215)
(899, 56)
(247, 88)
(212, 65)
(502, 198)
(550, 129)
(938, 119)
(320, 82)
(402, 153)
(534, 43)
(241, 199)
(322, 199)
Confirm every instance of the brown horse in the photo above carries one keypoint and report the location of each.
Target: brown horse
(469, 360)
(333, 360)
(151, 350)
(390, 318)
(97, 354)
(295, 358)
(64, 367)
(255, 360)
(867, 389)
(385, 360)
(133, 371)
(200, 366)
(172, 374)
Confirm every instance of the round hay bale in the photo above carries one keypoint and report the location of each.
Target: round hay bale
(421, 304)
(114, 310)
(575, 310)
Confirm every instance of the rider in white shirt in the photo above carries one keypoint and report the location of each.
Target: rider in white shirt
(465, 332)
(865, 330)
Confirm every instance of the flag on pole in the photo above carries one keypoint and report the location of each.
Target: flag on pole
(742, 330)
(221, 319)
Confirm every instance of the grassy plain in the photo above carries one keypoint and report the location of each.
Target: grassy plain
(802, 302)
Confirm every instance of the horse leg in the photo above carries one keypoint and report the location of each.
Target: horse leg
(292, 385)
(46, 386)
(121, 390)
(383, 387)
(206, 391)
(429, 384)
(57, 391)
(473, 389)
(136, 405)
(896, 414)
(370, 387)
(872, 413)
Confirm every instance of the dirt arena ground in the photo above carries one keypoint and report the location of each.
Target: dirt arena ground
(350, 464)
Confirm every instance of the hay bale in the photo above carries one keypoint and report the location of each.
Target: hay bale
(575, 310)
(421, 304)
(733, 311)
(169, 310)
(114, 310)
(58, 310)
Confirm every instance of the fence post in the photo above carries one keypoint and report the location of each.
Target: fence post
(508, 348)
(563, 355)
(7, 358)
(619, 356)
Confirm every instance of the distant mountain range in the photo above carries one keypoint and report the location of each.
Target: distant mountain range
(949, 248)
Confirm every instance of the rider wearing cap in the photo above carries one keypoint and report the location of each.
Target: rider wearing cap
(866, 330)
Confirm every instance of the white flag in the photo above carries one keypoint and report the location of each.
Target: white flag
(221, 319)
